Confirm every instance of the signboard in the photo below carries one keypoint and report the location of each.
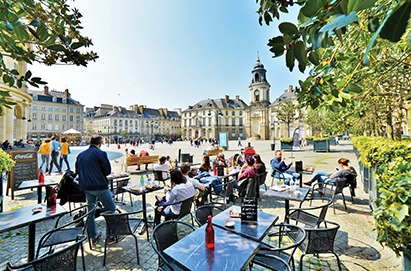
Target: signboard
(298, 166)
(25, 169)
(223, 140)
(249, 209)
(296, 139)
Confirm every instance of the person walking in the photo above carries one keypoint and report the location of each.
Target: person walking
(44, 151)
(92, 167)
(64, 152)
(55, 150)
(239, 142)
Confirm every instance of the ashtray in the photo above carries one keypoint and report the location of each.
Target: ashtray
(36, 210)
(229, 223)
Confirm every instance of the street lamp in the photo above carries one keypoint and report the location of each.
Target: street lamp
(273, 123)
(108, 135)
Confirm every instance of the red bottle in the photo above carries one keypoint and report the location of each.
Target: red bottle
(41, 177)
(215, 170)
(209, 233)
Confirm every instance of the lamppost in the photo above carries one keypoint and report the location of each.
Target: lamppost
(273, 123)
(108, 135)
(217, 113)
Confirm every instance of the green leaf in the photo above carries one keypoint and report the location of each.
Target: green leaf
(77, 45)
(340, 83)
(318, 38)
(373, 24)
(311, 7)
(300, 53)
(27, 75)
(36, 23)
(314, 58)
(288, 28)
(354, 88)
(357, 5)
(339, 22)
(396, 24)
(9, 26)
(42, 33)
(57, 47)
(289, 58)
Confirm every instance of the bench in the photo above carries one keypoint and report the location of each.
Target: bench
(130, 161)
(214, 152)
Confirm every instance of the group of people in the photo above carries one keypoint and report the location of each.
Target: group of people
(51, 150)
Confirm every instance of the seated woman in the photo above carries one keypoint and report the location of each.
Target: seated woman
(344, 170)
(247, 171)
(259, 164)
(180, 190)
(205, 164)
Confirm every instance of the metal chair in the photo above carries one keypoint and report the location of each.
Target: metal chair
(61, 260)
(68, 232)
(278, 254)
(307, 215)
(121, 224)
(330, 188)
(320, 240)
(226, 194)
(118, 184)
(158, 176)
(261, 179)
(202, 213)
(165, 235)
(185, 208)
(276, 174)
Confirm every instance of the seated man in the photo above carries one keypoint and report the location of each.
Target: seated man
(143, 153)
(201, 191)
(278, 163)
(168, 206)
(163, 166)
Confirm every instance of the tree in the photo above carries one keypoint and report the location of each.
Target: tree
(342, 40)
(285, 112)
(43, 31)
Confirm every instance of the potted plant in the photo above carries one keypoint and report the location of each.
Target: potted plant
(392, 163)
(321, 144)
(310, 140)
(6, 163)
(286, 143)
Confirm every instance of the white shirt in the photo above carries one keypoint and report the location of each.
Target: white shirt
(179, 193)
(165, 168)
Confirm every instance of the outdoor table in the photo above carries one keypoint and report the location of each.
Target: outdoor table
(255, 230)
(231, 251)
(306, 171)
(287, 196)
(25, 217)
(48, 180)
(144, 201)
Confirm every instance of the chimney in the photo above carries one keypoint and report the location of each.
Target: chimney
(227, 98)
(46, 90)
(237, 98)
(290, 89)
(67, 93)
(141, 109)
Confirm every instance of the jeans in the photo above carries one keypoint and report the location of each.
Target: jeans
(106, 198)
(290, 175)
(45, 159)
(166, 212)
(64, 157)
(54, 155)
(320, 177)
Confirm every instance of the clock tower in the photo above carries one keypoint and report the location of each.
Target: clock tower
(258, 113)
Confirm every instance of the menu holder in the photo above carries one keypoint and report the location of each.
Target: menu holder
(26, 168)
(220, 170)
(298, 166)
(249, 209)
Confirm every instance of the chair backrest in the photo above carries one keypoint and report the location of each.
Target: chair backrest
(185, 207)
(253, 188)
(275, 173)
(158, 175)
(118, 223)
(168, 233)
(118, 185)
(202, 213)
(261, 178)
(320, 240)
(61, 260)
(78, 215)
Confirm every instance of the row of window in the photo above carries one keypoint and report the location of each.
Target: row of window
(53, 99)
(56, 117)
(56, 109)
(203, 122)
(49, 127)
(205, 112)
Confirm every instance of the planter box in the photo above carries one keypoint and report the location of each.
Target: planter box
(287, 146)
(323, 145)
(310, 142)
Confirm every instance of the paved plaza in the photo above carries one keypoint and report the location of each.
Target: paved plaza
(355, 243)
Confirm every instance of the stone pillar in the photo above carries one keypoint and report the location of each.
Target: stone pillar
(8, 115)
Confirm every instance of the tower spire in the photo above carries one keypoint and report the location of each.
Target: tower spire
(258, 57)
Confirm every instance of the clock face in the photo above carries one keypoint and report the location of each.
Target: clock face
(256, 92)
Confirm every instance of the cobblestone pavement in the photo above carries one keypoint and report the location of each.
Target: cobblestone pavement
(355, 243)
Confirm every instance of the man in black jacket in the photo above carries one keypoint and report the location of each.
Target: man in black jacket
(92, 166)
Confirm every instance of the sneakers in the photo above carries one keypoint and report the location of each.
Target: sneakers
(96, 239)
(309, 183)
(141, 229)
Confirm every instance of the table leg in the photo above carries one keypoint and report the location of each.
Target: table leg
(31, 244)
(287, 211)
(145, 213)
(39, 194)
(301, 179)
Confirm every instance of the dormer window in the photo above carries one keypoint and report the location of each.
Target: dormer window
(35, 97)
(64, 100)
(54, 99)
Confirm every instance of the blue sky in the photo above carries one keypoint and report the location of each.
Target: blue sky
(170, 53)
